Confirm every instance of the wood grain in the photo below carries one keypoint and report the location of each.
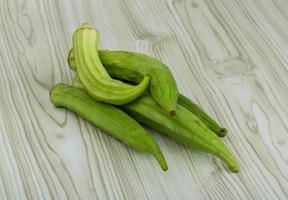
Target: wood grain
(229, 56)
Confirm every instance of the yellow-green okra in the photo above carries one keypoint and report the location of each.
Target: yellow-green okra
(93, 75)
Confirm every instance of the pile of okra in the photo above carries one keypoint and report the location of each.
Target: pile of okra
(119, 91)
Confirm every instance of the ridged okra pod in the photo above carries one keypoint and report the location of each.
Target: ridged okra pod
(185, 128)
(108, 118)
(94, 76)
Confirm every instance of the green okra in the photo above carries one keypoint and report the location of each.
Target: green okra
(133, 67)
(185, 127)
(108, 118)
(94, 76)
(119, 68)
(203, 116)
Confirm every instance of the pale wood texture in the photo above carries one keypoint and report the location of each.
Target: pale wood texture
(229, 56)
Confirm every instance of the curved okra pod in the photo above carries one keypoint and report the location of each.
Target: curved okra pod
(93, 75)
(117, 67)
(108, 118)
(133, 67)
(204, 117)
(185, 128)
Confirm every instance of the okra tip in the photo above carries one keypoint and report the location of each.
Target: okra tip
(222, 132)
(232, 164)
(161, 160)
(234, 168)
(51, 91)
(172, 113)
(53, 94)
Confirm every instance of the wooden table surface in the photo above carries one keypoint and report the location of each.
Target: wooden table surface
(229, 56)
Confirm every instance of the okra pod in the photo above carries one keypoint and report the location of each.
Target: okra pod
(108, 118)
(94, 76)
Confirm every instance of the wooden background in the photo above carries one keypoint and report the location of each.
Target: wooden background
(230, 56)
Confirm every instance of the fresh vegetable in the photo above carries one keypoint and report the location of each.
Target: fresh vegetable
(93, 75)
(108, 118)
(95, 95)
